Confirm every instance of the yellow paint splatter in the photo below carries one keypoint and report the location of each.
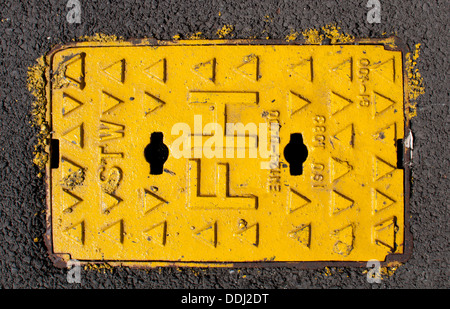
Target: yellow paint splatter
(176, 37)
(101, 37)
(292, 36)
(327, 271)
(388, 271)
(415, 86)
(385, 272)
(333, 33)
(224, 31)
(101, 268)
(36, 86)
(196, 36)
(313, 36)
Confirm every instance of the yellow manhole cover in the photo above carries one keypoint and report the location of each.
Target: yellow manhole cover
(225, 153)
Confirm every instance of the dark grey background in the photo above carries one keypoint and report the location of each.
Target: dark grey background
(29, 29)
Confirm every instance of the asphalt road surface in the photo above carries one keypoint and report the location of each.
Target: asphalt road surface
(29, 29)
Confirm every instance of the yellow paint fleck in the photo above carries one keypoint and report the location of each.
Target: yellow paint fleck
(388, 271)
(385, 272)
(36, 239)
(196, 36)
(292, 36)
(313, 36)
(176, 37)
(101, 37)
(224, 31)
(327, 271)
(333, 33)
(415, 86)
(267, 18)
(101, 268)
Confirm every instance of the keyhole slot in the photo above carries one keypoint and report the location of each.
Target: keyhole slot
(295, 154)
(156, 153)
(399, 145)
(54, 150)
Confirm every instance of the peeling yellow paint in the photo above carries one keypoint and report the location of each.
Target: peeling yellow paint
(73, 180)
(224, 31)
(58, 78)
(36, 86)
